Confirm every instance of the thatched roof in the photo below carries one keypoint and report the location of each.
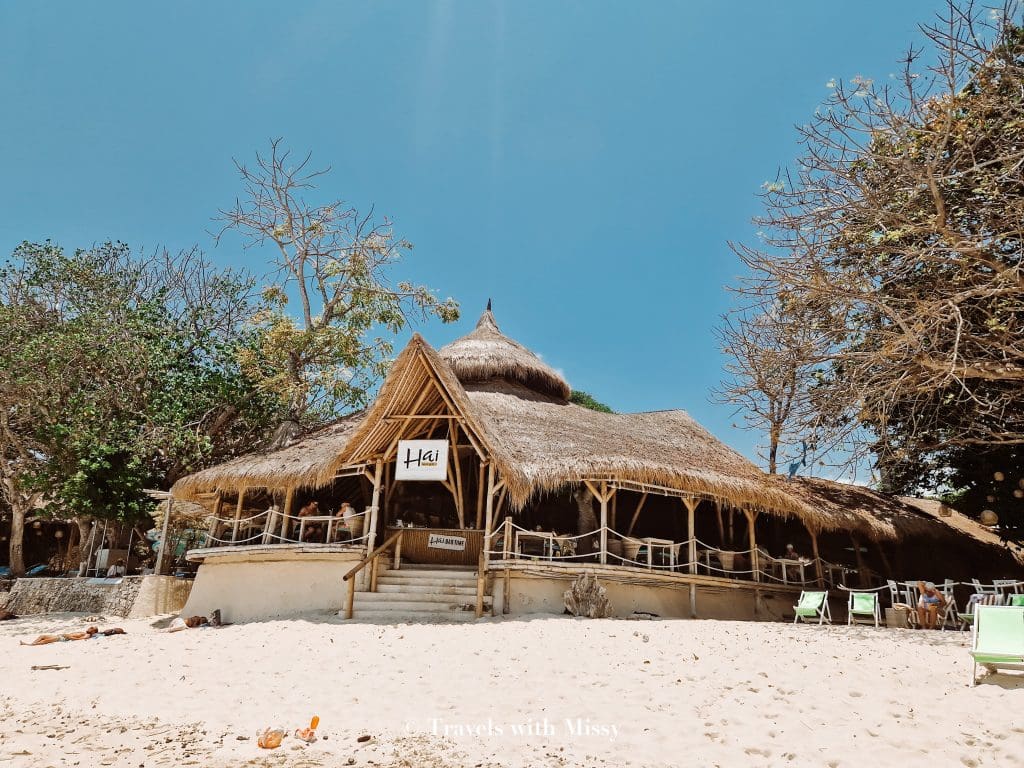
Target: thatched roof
(542, 443)
(487, 354)
(862, 511)
(960, 524)
(304, 462)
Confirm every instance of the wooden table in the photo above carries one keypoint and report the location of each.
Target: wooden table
(783, 565)
(546, 537)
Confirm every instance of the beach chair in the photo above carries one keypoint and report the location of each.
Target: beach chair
(981, 589)
(1006, 586)
(862, 608)
(951, 612)
(997, 640)
(967, 619)
(811, 606)
(1017, 601)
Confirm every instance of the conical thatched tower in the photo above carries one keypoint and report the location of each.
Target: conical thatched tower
(487, 354)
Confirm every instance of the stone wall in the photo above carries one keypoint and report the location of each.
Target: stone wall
(135, 596)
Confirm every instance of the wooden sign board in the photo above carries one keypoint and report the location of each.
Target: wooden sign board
(445, 541)
(422, 460)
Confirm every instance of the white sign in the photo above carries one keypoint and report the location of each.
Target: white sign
(441, 541)
(422, 460)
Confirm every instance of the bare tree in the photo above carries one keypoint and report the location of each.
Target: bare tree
(336, 261)
(901, 230)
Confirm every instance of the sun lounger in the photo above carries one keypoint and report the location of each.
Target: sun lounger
(811, 606)
(862, 608)
(997, 641)
(1017, 601)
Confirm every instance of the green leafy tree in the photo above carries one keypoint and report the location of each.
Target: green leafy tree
(334, 264)
(587, 400)
(118, 373)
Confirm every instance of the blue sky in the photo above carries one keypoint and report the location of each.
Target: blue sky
(582, 163)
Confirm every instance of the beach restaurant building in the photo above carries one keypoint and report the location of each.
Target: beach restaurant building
(474, 485)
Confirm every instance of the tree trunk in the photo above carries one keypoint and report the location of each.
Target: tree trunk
(84, 532)
(17, 544)
(773, 450)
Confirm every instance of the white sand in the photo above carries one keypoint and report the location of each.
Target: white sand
(700, 693)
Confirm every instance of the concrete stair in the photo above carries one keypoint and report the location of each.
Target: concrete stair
(421, 593)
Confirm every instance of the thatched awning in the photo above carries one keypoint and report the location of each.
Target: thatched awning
(306, 462)
(958, 524)
(542, 443)
(861, 511)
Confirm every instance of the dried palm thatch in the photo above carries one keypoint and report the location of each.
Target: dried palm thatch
(487, 354)
(303, 463)
(542, 444)
(861, 511)
(185, 514)
(961, 525)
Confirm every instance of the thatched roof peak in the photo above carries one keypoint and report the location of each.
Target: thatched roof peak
(487, 354)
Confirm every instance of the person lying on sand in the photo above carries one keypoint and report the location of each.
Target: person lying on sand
(6, 615)
(194, 622)
(88, 634)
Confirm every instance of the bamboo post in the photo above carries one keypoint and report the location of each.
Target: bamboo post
(459, 496)
(604, 523)
(480, 586)
(489, 521)
(507, 595)
(351, 598)
(289, 503)
(691, 507)
(817, 560)
(238, 514)
(398, 554)
(862, 574)
(755, 560)
(373, 574)
(721, 525)
(507, 543)
(480, 496)
(371, 530)
(614, 513)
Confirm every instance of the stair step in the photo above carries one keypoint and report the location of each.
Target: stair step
(398, 581)
(424, 573)
(438, 567)
(415, 606)
(397, 617)
(415, 597)
(423, 589)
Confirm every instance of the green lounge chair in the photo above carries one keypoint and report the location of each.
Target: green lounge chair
(967, 619)
(997, 640)
(1017, 601)
(863, 608)
(812, 605)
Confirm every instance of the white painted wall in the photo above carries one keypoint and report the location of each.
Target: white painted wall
(248, 588)
(531, 594)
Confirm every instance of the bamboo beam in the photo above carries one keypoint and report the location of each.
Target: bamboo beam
(861, 570)
(289, 501)
(238, 514)
(721, 526)
(636, 514)
(615, 504)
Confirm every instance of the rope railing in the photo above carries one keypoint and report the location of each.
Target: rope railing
(282, 528)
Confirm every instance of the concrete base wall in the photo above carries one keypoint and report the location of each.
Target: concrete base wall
(134, 596)
(248, 587)
(538, 594)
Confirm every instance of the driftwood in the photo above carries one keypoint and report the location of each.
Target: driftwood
(586, 597)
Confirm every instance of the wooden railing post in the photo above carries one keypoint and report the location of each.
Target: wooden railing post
(817, 560)
(755, 556)
(507, 542)
(238, 515)
(604, 523)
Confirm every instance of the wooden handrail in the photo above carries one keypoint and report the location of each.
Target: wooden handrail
(378, 551)
(395, 538)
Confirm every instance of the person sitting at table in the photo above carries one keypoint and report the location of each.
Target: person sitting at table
(347, 513)
(792, 571)
(311, 531)
(928, 605)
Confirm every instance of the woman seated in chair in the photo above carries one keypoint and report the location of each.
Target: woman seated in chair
(929, 605)
(312, 531)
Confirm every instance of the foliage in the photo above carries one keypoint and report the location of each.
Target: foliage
(335, 262)
(898, 240)
(119, 373)
(587, 400)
